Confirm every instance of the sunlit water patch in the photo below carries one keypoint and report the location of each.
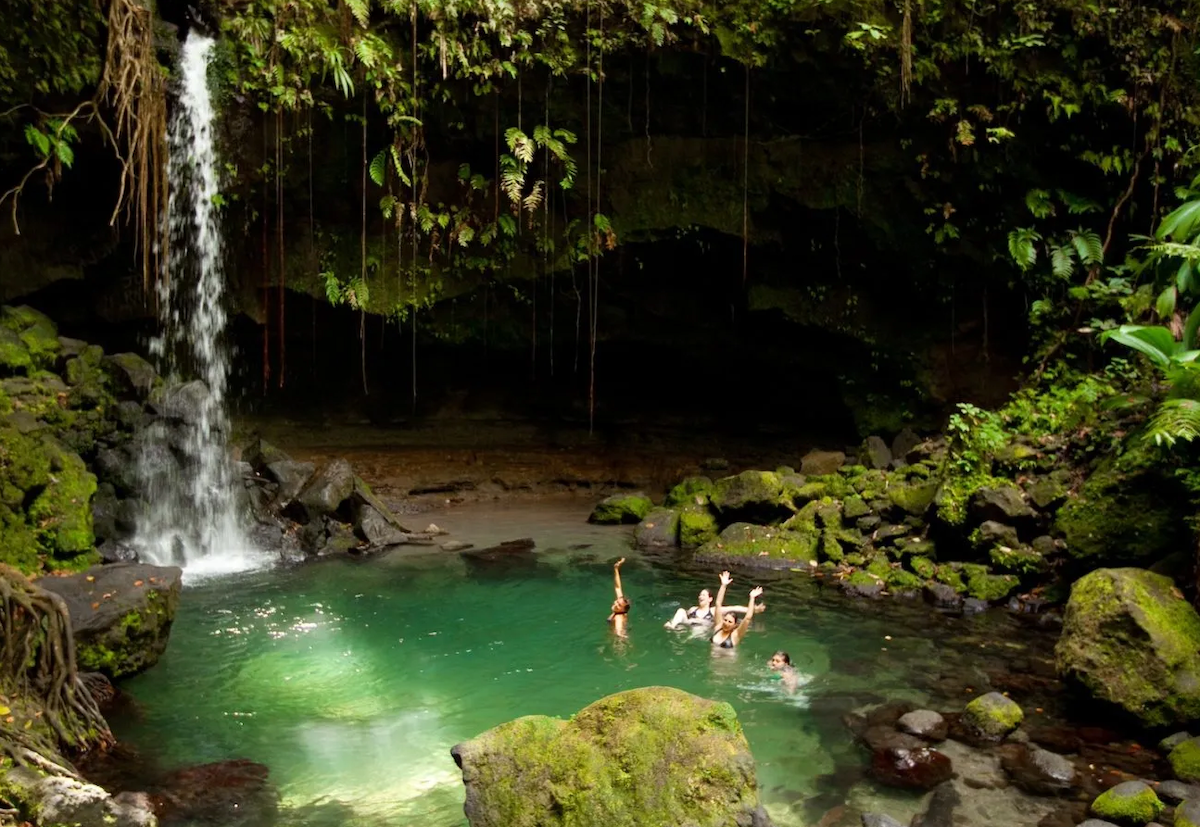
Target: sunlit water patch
(352, 679)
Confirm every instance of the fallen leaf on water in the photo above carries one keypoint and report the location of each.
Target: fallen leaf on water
(91, 578)
(106, 596)
(137, 582)
(9, 719)
(95, 605)
(4, 710)
(29, 723)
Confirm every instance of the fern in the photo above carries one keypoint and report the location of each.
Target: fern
(1062, 260)
(378, 168)
(1174, 420)
(1089, 246)
(1038, 202)
(361, 10)
(1021, 247)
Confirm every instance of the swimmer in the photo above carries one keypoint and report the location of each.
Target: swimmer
(702, 613)
(620, 607)
(781, 662)
(729, 632)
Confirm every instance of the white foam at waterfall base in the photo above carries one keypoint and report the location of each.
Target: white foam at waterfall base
(192, 518)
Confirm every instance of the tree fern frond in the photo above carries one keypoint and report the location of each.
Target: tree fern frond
(1175, 419)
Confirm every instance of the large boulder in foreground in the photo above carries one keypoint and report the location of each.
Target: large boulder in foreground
(1131, 639)
(121, 614)
(656, 756)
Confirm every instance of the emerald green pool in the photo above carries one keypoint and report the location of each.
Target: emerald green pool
(352, 678)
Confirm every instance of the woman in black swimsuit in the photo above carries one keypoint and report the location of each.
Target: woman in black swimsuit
(620, 607)
(702, 613)
(729, 632)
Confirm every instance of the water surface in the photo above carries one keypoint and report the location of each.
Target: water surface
(352, 678)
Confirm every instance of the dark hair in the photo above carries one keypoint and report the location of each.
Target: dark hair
(782, 654)
(623, 604)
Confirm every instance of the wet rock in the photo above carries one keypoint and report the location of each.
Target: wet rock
(913, 769)
(114, 551)
(884, 737)
(262, 454)
(993, 533)
(120, 614)
(659, 530)
(118, 467)
(456, 545)
(1047, 493)
(819, 463)
(1095, 822)
(942, 806)
(621, 508)
(1185, 760)
(924, 723)
(325, 492)
(992, 716)
(183, 403)
(132, 376)
(1003, 504)
(863, 584)
(904, 442)
(879, 820)
(1177, 791)
(230, 792)
(875, 453)
(755, 496)
(1067, 814)
(104, 513)
(942, 596)
(375, 528)
(974, 605)
(1130, 802)
(129, 414)
(1131, 639)
(1175, 739)
(290, 475)
(1038, 771)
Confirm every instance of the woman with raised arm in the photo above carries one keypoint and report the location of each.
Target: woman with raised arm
(729, 632)
(702, 613)
(620, 607)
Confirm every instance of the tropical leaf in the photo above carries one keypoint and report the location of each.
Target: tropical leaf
(361, 10)
(1187, 252)
(1156, 343)
(1021, 247)
(1038, 202)
(519, 144)
(378, 168)
(1062, 260)
(1182, 224)
(1089, 246)
(37, 139)
(1190, 327)
(1077, 205)
(1164, 305)
(1174, 420)
(387, 205)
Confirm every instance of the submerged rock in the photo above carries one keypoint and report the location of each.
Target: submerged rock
(656, 756)
(659, 530)
(914, 769)
(924, 723)
(1131, 639)
(61, 800)
(1038, 771)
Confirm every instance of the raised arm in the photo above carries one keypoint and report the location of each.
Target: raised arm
(755, 593)
(726, 579)
(617, 578)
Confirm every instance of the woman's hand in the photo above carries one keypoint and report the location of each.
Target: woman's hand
(617, 564)
(726, 578)
(755, 592)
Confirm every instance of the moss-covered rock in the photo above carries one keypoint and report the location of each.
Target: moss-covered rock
(805, 519)
(697, 526)
(956, 492)
(752, 495)
(992, 716)
(18, 545)
(690, 491)
(922, 566)
(1185, 760)
(831, 550)
(14, 355)
(1124, 512)
(749, 540)
(854, 507)
(35, 330)
(900, 581)
(1021, 560)
(951, 576)
(646, 756)
(1131, 639)
(24, 467)
(913, 499)
(62, 512)
(1131, 803)
(621, 508)
(121, 614)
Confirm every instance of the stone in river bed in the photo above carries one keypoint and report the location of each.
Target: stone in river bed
(915, 769)
(924, 723)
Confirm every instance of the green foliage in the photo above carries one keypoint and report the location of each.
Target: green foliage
(975, 435)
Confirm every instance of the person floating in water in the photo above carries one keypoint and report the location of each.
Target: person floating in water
(702, 613)
(729, 632)
(620, 607)
(781, 662)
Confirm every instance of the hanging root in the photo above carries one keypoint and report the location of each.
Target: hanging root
(37, 663)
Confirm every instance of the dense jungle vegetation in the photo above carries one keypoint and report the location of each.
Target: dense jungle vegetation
(885, 177)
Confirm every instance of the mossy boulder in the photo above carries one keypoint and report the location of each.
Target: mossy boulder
(1124, 512)
(36, 331)
(922, 566)
(121, 614)
(656, 756)
(1131, 639)
(903, 582)
(659, 530)
(621, 508)
(62, 512)
(750, 495)
(983, 585)
(14, 355)
(689, 491)
(24, 467)
(1132, 803)
(992, 716)
(1187, 814)
(754, 541)
(1185, 760)
(697, 526)
(913, 499)
(1020, 560)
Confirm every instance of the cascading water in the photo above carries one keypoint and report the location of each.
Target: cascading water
(192, 516)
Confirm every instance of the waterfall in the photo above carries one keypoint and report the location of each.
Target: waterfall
(192, 514)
